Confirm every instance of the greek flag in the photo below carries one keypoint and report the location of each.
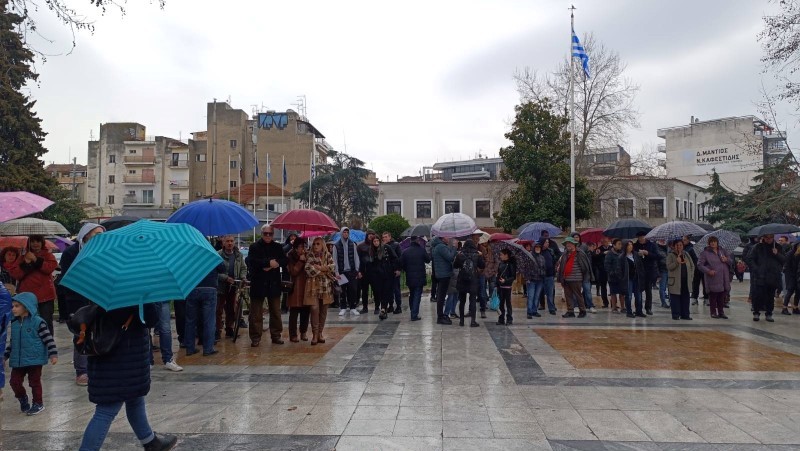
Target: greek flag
(579, 52)
(255, 171)
(284, 172)
(269, 170)
(313, 168)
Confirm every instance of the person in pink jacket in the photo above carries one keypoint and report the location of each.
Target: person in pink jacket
(715, 263)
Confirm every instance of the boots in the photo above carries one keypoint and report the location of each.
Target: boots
(473, 323)
(461, 315)
(163, 443)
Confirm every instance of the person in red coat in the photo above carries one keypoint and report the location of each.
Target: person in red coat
(33, 271)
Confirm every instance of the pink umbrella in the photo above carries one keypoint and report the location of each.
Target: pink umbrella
(16, 204)
(313, 233)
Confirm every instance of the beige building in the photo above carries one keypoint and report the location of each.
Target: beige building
(734, 147)
(71, 177)
(424, 202)
(130, 173)
(227, 149)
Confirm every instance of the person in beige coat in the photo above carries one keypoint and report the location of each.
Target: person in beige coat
(319, 287)
(680, 270)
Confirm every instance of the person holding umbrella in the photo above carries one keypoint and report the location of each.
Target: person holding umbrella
(715, 262)
(534, 279)
(297, 298)
(413, 262)
(647, 251)
(612, 263)
(681, 271)
(442, 255)
(766, 263)
(631, 267)
(264, 261)
(469, 262)
(574, 270)
(34, 273)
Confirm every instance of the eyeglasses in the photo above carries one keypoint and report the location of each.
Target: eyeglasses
(267, 233)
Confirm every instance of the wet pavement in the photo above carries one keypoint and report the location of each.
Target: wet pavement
(604, 382)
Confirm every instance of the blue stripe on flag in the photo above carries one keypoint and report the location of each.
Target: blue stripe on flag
(579, 52)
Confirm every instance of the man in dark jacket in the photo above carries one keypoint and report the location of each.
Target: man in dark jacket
(363, 286)
(413, 263)
(688, 248)
(387, 239)
(443, 256)
(468, 279)
(599, 268)
(553, 246)
(264, 262)
(648, 251)
(72, 300)
(549, 287)
(766, 264)
(663, 274)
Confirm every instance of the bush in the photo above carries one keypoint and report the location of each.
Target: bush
(392, 223)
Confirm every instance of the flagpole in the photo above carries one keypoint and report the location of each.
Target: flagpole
(283, 182)
(269, 177)
(572, 125)
(255, 176)
(229, 177)
(311, 177)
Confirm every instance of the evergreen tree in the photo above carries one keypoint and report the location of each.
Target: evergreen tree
(722, 200)
(21, 133)
(538, 160)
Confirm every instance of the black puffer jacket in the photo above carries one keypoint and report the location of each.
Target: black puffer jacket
(766, 266)
(124, 374)
(469, 250)
(413, 263)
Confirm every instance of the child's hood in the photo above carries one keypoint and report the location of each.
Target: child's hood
(30, 302)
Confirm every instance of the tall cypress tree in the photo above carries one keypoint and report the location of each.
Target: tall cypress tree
(21, 133)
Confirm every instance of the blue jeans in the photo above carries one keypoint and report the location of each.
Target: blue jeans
(549, 288)
(414, 297)
(398, 297)
(483, 298)
(104, 414)
(450, 306)
(164, 331)
(662, 288)
(587, 293)
(535, 288)
(633, 289)
(201, 307)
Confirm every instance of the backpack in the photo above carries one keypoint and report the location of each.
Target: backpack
(95, 333)
(468, 270)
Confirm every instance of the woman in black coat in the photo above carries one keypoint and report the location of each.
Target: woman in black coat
(381, 268)
(123, 377)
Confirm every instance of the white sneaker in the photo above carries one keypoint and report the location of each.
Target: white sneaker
(354, 312)
(173, 366)
(342, 311)
(592, 310)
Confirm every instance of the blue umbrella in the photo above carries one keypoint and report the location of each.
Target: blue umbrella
(214, 217)
(142, 263)
(533, 231)
(355, 235)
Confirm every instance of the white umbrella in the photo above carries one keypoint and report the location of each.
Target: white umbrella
(727, 240)
(675, 229)
(32, 226)
(453, 225)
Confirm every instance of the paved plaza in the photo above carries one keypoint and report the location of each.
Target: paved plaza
(604, 382)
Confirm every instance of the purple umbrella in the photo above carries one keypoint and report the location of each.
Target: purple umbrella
(61, 242)
(17, 204)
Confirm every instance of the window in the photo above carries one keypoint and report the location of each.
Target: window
(112, 158)
(655, 208)
(483, 208)
(234, 164)
(394, 206)
(233, 184)
(110, 200)
(132, 151)
(147, 196)
(131, 193)
(691, 210)
(677, 207)
(201, 157)
(598, 206)
(176, 198)
(625, 208)
(452, 206)
(131, 171)
(233, 144)
(685, 207)
(111, 179)
(423, 209)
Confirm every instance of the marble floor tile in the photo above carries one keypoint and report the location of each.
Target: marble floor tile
(495, 444)
(762, 428)
(711, 427)
(612, 425)
(662, 427)
(563, 424)
(467, 429)
(361, 443)
(370, 427)
(418, 428)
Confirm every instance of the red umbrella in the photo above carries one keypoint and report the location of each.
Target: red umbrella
(305, 220)
(500, 237)
(592, 235)
(20, 242)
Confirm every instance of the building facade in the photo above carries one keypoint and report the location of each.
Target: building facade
(607, 161)
(71, 177)
(476, 169)
(735, 147)
(424, 202)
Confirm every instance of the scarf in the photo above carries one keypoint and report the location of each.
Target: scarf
(569, 264)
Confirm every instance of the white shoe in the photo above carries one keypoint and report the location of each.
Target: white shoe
(173, 366)
(354, 312)
(342, 311)
(592, 310)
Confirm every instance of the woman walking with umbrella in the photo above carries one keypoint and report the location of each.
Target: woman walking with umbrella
(318, 287)
(715, 262)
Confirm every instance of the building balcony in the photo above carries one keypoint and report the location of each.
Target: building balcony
(134, 200)
(472, 175)
(179, 184)
(139, 179)
(139, 159)
(661, 148)
(179, 164)
(177, 203)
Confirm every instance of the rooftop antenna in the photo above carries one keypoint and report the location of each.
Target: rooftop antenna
(91, 135)
(229, 100)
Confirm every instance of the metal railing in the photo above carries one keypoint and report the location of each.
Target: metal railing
(139, 179)
(181, 164)
(178, 183)
(141, 159)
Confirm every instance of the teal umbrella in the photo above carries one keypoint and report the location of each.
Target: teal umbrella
(142, 263)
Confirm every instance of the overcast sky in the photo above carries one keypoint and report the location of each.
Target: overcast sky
(403, 85)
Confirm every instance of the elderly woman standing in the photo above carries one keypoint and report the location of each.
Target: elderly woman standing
(8, 256)
(319, 287)
(715, 262)
(296, 301)
(680, 270)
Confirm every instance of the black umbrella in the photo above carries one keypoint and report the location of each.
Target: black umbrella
(118, 222)
(772, 229)
(626, 228)
(417, 230)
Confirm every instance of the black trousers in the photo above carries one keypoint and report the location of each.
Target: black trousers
(434, 285)
(679, 303)
(763, 300)
(363, 287)
(462, 299)
(349, 296)
(505, 304)
(180, 319)
(442, 286)
(698, 279)
(648, 291)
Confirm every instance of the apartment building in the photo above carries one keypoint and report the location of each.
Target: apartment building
(71, 177)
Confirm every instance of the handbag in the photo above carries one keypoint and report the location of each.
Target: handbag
(95, 333)
(287, 286)
(494, 300)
